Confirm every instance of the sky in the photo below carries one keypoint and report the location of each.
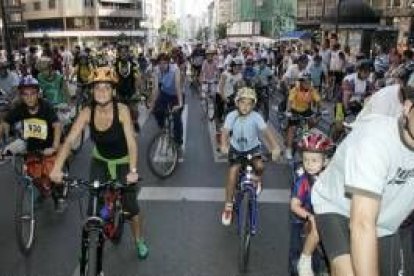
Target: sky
(193, 7)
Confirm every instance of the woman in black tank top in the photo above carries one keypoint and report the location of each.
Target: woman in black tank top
(115, 153)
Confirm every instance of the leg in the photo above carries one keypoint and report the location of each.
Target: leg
(342, 266)
(178, 127)
(226, 215)
(159, 110)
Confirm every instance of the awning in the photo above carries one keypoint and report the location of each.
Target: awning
(296, 35)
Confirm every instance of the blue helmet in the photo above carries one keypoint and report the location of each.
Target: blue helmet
(28, 81)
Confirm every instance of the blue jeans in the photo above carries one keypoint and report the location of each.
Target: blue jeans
(162, 104)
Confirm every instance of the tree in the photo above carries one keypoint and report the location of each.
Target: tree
(221, 31)
(169, 28)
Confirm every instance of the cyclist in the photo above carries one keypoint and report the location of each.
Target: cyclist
(41, 131)
(227, 83)
(209, 72)
(197, 58)
(292, 73)
(167, 93)
(301, 100)
(129, 80)
(115, 153)
(8, 80)
(51, 83)
(83, 69)
(245, 126)
(356, 86)
(314, 148)
(318, 72)
(365, 193)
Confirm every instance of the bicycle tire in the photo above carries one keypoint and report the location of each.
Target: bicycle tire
(118, 223)
(89, 258)
(25, 221)
(167, 150)
(245, 233)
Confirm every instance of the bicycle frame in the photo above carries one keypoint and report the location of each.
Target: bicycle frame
(247, 187)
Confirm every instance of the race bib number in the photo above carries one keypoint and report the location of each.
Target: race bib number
(35, 128)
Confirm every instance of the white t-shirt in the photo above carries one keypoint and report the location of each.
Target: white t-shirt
(360, 86)
(373, 159)
(230, 81)
(384, 102)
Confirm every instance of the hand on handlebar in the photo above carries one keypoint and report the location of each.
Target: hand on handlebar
(56, 176)
(132, 178)
(49, 151)
(224, 150)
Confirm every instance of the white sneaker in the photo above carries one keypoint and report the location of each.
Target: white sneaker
(288, 153)
(227, 214)
(305, 266)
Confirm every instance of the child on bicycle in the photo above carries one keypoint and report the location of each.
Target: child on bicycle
(314, 148)
(301, 100)
(240, 137)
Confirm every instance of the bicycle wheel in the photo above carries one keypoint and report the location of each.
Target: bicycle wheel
(244, 234)
(162, 155)
(25, 221)
(89, 259)
(118, 223)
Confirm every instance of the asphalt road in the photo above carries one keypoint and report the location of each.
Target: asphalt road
(182, 219)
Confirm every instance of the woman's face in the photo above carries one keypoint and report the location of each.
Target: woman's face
(102, 92)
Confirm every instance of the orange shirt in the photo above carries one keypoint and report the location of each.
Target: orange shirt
(301, 100)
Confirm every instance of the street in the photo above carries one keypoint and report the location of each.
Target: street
(181, 218)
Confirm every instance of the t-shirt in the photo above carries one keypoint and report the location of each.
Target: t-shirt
(373, 159)
(8, 83)
(302, 191)
(358, 87)
(301, 100)
(245, 130)
(37, 128)
(384, 102)
(264, 75)
(230, 82)
(52, 88)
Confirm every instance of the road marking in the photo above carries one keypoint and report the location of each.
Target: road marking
(205, 194)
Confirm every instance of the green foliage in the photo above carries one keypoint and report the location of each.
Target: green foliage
(169, 28)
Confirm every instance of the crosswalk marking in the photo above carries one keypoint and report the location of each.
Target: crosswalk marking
(205, 194)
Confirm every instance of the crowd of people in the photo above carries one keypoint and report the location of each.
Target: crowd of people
(352, 206)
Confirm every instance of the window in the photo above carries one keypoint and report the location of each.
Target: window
(52, 4)
(16, 17)
(36, 6)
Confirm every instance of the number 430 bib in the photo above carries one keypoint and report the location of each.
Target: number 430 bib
(35, 128)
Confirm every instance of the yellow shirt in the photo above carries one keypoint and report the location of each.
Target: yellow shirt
(301, 100)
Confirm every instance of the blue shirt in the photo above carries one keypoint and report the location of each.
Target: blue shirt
(302, 191)
(245, 130)
(264, 74)
(166, 81)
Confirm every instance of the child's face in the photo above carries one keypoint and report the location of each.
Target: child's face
(245, 106)
(313, 162)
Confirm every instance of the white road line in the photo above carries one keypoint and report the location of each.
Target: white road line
(205, 194)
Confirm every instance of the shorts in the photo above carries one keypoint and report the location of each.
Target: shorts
(334, 233)
(235, 156)
(293, 122)
(99, 171)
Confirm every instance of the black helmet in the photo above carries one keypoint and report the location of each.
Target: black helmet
(364, 64)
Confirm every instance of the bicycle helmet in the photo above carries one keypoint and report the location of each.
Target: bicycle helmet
(246, 93)
(28, 81)
(103, 74)
(315, 142)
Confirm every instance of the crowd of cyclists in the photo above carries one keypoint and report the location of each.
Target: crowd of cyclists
(352, 205)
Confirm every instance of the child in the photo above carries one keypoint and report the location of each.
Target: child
(245, 126)
(314, 148)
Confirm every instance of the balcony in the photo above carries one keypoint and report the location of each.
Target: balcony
(111, 12)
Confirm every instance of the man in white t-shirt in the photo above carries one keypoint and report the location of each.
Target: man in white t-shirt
(366, 192)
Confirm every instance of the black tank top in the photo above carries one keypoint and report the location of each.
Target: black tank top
(111, 143)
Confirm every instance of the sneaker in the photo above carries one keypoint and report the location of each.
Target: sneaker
(142, 249)
(60, 206)
(288, 153)
(305, 266)
(227, 214)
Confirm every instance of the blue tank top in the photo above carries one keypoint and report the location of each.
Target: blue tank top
(166, 81)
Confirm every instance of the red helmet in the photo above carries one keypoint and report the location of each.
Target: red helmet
(315, 142)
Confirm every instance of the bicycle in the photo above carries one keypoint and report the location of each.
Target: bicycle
(103, 223)
(29, 191)
(246, 209)
(263, 98)
(162, 152)
(208, 99)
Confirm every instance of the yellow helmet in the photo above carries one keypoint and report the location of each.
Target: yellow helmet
(246, 93)
(103, 74)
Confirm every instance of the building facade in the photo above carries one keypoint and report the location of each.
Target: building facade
(84, 22)
(223, 11)
(275, 16)
(15, 23)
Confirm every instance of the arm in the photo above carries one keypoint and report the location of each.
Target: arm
(125, 119)
(178, 88)
(57, 134)
(78, 126)
(364, 246)
(272, 142)
(224, 140)
(297, 209)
